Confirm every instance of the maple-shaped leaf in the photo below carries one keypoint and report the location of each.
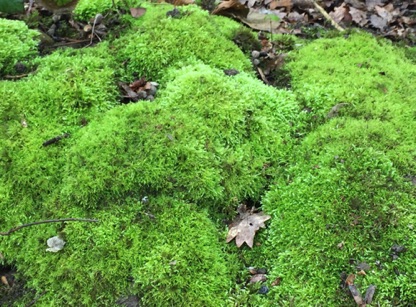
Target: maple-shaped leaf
(244, 227)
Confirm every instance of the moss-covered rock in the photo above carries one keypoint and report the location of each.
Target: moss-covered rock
(18, 44)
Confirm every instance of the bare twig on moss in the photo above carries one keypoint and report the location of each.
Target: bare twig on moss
(55, 139)
(10, 77)
(45, 222)
(326, 15)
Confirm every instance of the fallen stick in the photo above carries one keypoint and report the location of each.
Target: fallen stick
(45, 222)
(326, 15)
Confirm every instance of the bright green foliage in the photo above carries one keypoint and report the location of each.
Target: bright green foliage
(17, 42)
(87, 9)
(207, 141)
(69, 87)
(332, 195)
(173, 258)
(161, 42)
(208, 137)
(374, 78)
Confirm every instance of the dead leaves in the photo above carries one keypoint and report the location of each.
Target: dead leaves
(140, 89)
(348, 282)
(244, 227)
(393, 19)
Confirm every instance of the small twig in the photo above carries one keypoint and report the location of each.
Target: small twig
(45, 222)
(10, 77)
(326, 15)
(55, 139)
(263, 77)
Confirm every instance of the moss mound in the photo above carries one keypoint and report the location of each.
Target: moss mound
(201, 140)
(336, 209)
(207, 140)
(159, 176)
(18, 44)
(374, 80)
(158, 42)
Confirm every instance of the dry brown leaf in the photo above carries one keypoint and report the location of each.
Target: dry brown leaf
(350, 279)
(137, 12)
(358, 16)
(339, 13)
(356, 295)
(4, 280)
(281, 3)
(383, 13)
(372, 3)
(378, 22)
(244, 227)
(258, 278)
(231, 8)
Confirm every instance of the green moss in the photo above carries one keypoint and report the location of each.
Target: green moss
(68, 88)
(332, 195)
(161, 42)
(18, 44)
(174, 257)
(202, 140)
(87, 9)
(372, 76)
(205, 143)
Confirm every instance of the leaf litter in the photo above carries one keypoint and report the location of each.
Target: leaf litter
(245, 225)
(395, 20)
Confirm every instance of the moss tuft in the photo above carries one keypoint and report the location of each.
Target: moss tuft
(18, 44)
(160, 42)
(201, 140)
(337, 207)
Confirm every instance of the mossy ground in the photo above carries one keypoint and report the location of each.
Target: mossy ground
(207, 142)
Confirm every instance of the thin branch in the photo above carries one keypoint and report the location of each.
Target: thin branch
(326, 15)
(45, 222)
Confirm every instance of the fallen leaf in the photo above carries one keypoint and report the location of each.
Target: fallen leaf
(4, 280)
(362, 273)
(281, 3)
(339, 13)
(341, 245)
(358, 16)
(258, 278)
(244, 227)
(277, 281)
(231, 8)
(368, 298)
(378, 22)
(356, 295)
(372, 3)
(350, 279)
(137, 12)
(55, 244)
(383, 13)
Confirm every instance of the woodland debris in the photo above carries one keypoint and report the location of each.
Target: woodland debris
(140, 89)
(245, 225)
(10, 231)
(391, 19)
(55, 139)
